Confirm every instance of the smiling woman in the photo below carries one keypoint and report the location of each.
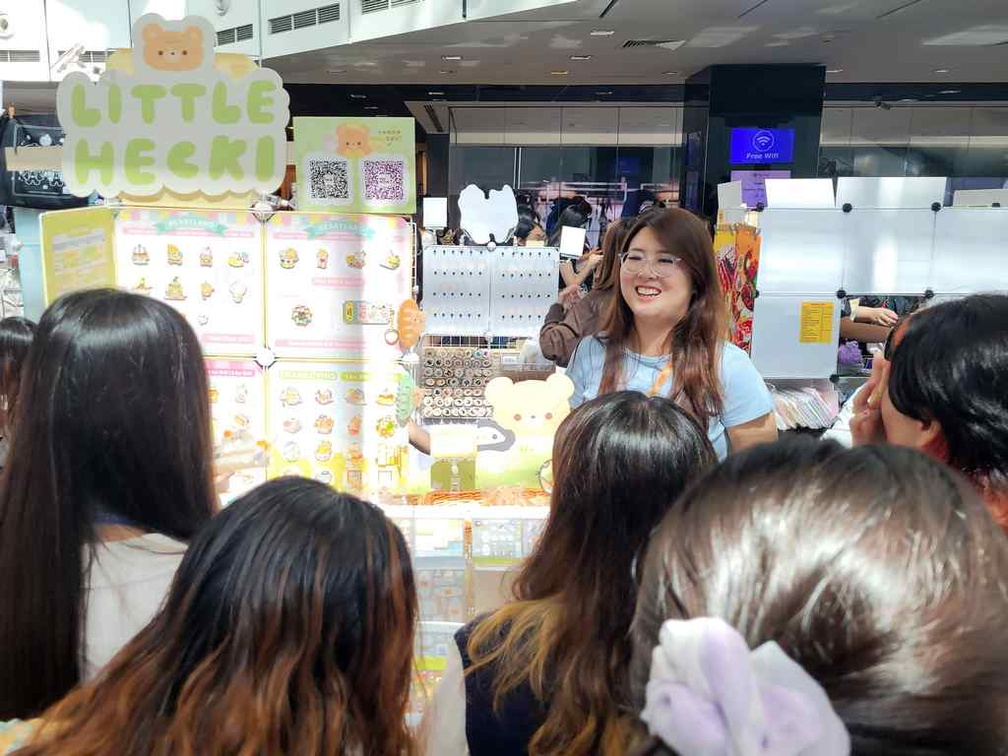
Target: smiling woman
(664, 335)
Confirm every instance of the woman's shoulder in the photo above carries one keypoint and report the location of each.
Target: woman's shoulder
(733, 358)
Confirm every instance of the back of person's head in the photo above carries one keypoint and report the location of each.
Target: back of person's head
(16, 336)
(878, 570)
(288, 629)
(948, 384)
(619, 462)
(528, 219)
(112, 422)
(607, 273)
(576, 214)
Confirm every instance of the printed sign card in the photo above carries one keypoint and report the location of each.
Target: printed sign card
(356, 165)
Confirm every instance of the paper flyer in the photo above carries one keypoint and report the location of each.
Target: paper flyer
(79, 251)
(337, 424)
(335, 285)
(238, 406)
(499, 542)
(207, 265)
(442, 593)
(356, 165)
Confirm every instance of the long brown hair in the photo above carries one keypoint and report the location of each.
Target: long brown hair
(288, 629)
(695, 344)
(607, 273)
(876, 568)
(618, 463)
(113, 418)
(16, 336)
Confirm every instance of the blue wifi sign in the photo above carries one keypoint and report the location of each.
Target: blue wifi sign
(750, 146)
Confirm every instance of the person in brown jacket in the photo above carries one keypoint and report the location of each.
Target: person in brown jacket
(574, 316)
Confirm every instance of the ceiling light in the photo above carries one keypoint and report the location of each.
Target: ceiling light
(580, 57)
(436, 94)
(358, 97)
(950, 91)
(445, 72)
(559, 73)
(370, 107)
(834, 70)
(780, 43)
(602, 32)
(670, 73)
(603, 94)
(941, 70)
(451, 57)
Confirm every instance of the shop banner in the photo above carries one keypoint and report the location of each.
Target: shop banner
(356, 165)
(175, 122)
(79, 252)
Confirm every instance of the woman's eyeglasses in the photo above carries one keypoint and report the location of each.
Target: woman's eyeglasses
(636, 262)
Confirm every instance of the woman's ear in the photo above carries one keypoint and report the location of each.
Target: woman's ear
(931, 439)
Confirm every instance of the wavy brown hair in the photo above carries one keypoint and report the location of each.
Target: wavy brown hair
(288, 629)
(695, 344)
(607, 273)
(619, 461)
(16, 336)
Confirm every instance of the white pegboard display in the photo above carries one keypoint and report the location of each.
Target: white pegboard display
(524, 286)
(456, 287)
(470, 291)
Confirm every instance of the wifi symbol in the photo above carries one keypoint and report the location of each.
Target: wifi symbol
(763, 141)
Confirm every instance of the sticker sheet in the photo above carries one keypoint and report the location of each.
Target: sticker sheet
(337, 424)
(335, 285)
(238, 408)
(207, 265)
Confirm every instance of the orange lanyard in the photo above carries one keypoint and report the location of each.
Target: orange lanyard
(663, 376)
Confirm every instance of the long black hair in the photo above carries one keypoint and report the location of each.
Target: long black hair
(113, 419)
(949, 365)
(289, 628)
(877, 569)
(16, 336)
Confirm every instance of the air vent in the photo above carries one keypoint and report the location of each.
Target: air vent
(244, 33)
(88, 56)
(20, 56)
(374, 6)
(226, 37)
(435, 121)
(398, 3)
(329, 13)
(236, 34)
(281, 24)
(665, 44)
(305, 19)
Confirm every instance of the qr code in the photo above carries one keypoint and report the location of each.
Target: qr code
(384, 180)
(328, 179)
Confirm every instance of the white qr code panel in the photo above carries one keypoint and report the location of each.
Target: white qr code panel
(383, 180)
(329, 180)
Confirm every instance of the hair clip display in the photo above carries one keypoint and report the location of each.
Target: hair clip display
(457, 289)
(524, 285)
(455, 381)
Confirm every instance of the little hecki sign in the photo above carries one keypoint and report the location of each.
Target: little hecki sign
(174, 123)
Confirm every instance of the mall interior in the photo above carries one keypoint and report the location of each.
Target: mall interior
(363, 352)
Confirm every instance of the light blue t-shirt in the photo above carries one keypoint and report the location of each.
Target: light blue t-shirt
(746, 397)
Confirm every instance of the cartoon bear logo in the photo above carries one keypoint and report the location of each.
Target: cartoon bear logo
(528, 411)
(353, 140)
(166, 50)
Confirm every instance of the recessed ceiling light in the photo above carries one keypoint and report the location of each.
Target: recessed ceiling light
(370, 107)
(950, 91)
(358, 97)
(445, 72)
(559, 73)
(580, 57)
(941, 70)
(670, 73)
(779, 43)
(337, 73)
(436, 94)
(603, 94)
(834, 70)
(451, 57)
(602, 32)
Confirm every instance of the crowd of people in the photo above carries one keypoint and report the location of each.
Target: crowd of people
(700, 588)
